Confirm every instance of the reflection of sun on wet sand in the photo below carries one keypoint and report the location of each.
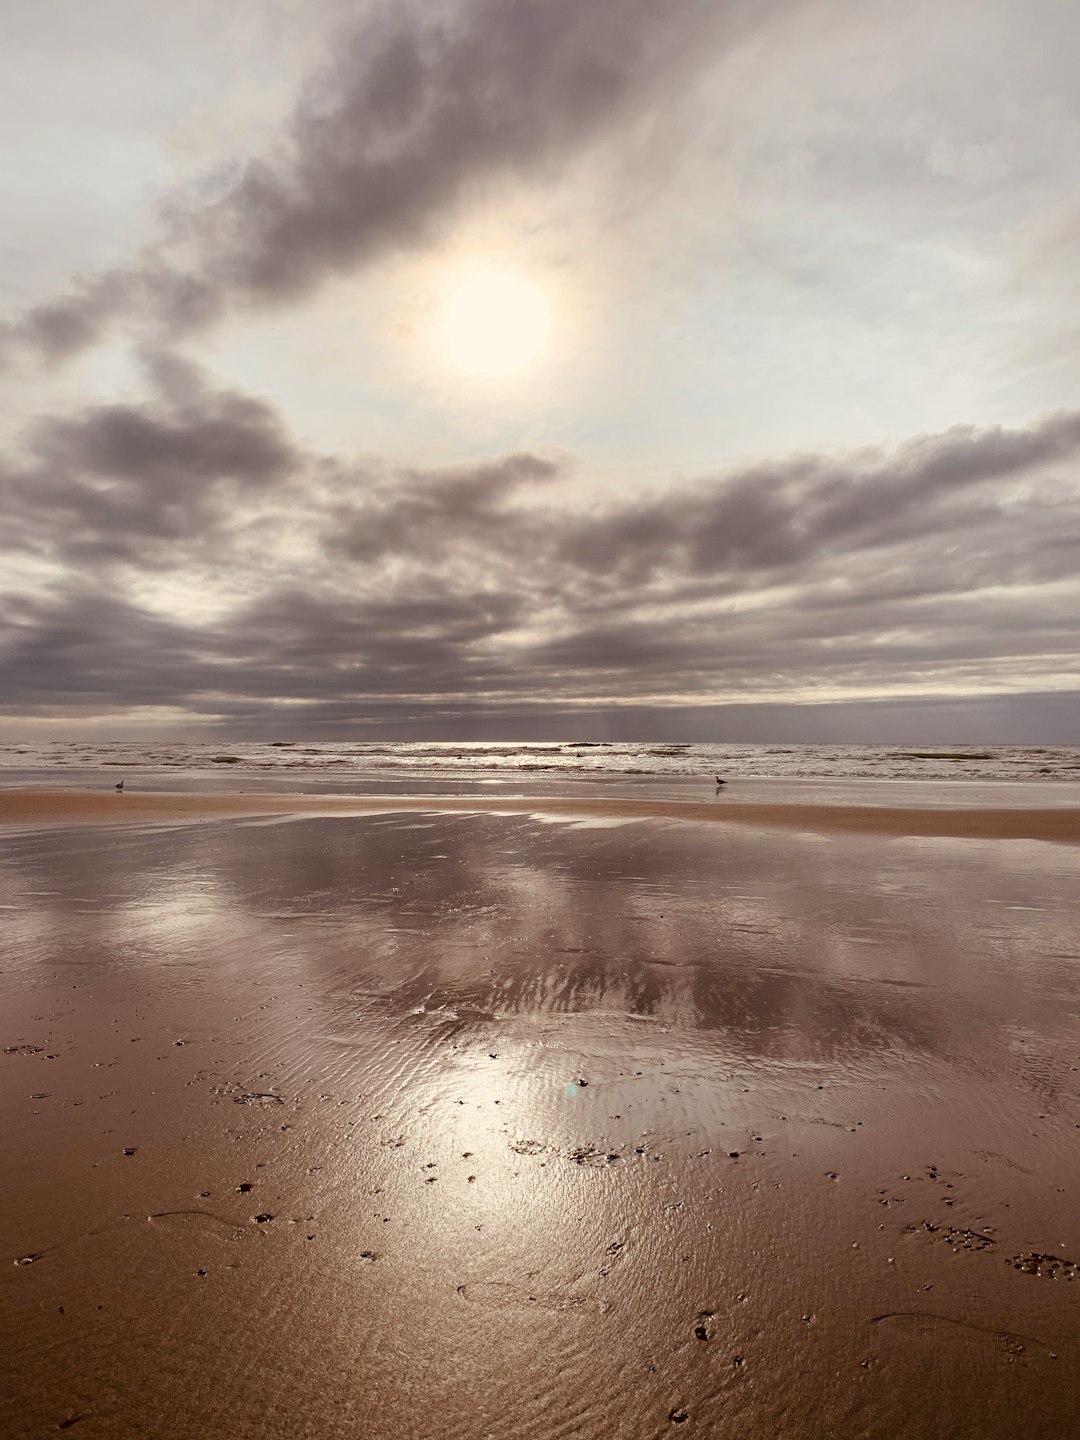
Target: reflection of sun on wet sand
(469, 1124)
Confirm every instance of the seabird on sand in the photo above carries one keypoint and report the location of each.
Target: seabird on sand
(120, 786)
(720, 782)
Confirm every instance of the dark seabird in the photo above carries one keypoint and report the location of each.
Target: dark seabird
(120, 786)
(720, 782)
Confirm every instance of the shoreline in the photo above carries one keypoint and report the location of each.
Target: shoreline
(35, 808)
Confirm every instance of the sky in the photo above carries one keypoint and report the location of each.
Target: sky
(507, 368)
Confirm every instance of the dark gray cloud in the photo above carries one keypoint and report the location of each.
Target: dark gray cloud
(410, 512)
(86, 647)
(424, 102)
(165, 298)
(422, 107)
(154, 484)
(372, 591)
(776, 516)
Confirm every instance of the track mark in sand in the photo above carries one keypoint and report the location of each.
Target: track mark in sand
(1051, 1267)
(849, 1125)
(993, 1155)
(33, 1256)
(239, 1095)
(502, 1296)
(202, 1221)
(613, 1253)
(924, 1321)
(586, 1155)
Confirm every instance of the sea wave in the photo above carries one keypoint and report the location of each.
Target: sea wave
(578, 758)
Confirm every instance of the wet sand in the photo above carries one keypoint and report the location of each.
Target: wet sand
(54, 806)
(578, 1121)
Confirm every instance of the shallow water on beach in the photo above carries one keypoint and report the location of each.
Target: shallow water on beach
(485, 1126)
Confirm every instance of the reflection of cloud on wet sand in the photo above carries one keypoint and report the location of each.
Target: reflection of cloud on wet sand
(790, 947)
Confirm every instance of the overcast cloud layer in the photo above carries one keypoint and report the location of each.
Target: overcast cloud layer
(349, 590)
(175, 547)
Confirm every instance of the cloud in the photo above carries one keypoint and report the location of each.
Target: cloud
(422, 107)
(776, 516)
(416, 512)
(366, 591)
(166, 299)
(86, 647)
(149, 484)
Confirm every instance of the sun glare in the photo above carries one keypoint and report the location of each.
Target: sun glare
(495, 322)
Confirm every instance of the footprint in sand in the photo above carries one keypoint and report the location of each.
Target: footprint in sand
(594, 1159)
(528, 1147)
(1050, 1267)
(956, 1239)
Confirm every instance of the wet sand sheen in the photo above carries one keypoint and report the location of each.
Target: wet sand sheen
(74, 807)
(473, 1125)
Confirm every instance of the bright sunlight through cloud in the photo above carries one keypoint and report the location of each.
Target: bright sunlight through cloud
(495, 322)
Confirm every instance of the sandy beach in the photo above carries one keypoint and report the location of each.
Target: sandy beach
(57, 806)
(541, 1118)
(540, 721)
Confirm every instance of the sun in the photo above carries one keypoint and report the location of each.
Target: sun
(495, 322)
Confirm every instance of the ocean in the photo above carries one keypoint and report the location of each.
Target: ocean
(325, 765)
